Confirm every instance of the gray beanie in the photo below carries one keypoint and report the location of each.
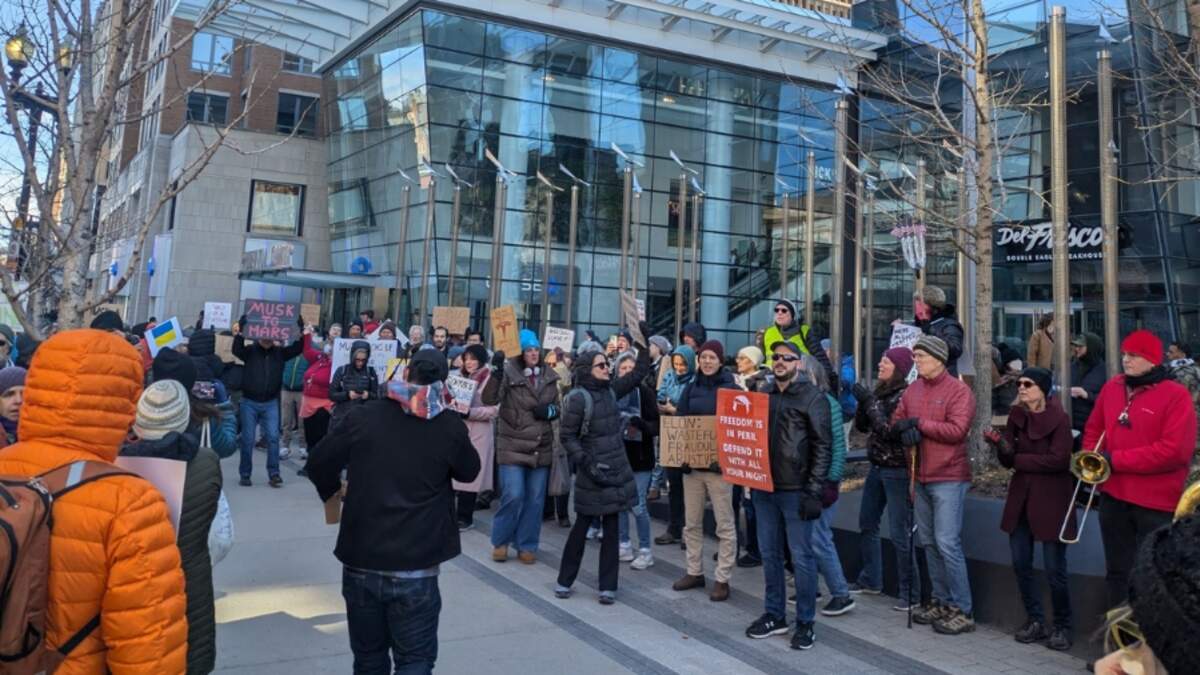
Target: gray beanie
(163, 408)
(933, 346)
(664, 345)
(932, 296)
(12, 376)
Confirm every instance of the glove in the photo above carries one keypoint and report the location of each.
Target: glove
(638, 423)
(715, 467)
(644, 328)
(242, 323)
(498, 360)
(905, 424)
(219, 389)
(861, 393)
(546, 412)
(910, 437)
(300, 322)
(685, 468)
(810, 507)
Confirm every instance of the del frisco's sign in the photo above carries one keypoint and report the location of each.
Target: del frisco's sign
(1034, 243)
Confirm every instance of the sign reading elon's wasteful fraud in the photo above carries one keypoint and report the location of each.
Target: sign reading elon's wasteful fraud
(1034, 242)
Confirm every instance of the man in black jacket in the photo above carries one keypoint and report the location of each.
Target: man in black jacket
(354, 383)
(801, 449)
(262, 378)
(936, 317)
(398, 522)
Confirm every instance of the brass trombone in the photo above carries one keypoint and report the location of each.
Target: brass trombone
(1189, 502)
(1088, 466)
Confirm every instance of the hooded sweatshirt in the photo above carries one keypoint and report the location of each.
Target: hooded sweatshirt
(350, 378)
(673, 383)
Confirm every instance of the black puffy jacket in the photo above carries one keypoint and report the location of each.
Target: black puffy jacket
(944, 324)
(1091, 374)
(202, 347)
(262, 376)
(801, 439)
(604, 482)
(874, 417)
(641, 453)
(347, 378)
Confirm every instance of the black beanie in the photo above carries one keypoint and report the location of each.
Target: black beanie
(202, 343)
(108, 320)
(1164, 593)
(479, 353)
(427, 366)
(171, 365)
(1041, 377)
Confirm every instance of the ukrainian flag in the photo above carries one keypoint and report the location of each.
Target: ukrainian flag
(164, 334)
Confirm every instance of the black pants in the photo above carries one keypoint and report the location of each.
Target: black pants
(748, 538)
(576, 543)
(316, 426)
(555, 506)
(1123, 527)
(465, 506)
(1054, 560)
(675, 501)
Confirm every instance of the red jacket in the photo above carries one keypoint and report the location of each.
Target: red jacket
(316, 378)
(1150, 455)
(945, 407)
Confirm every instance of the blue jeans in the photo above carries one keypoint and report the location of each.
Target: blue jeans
(828, 562)
(886, 488)
(775, 512)
(385, 613)
(939, 510)
(641, 514)
(1054, 559)
(518, 521)
(253, 414)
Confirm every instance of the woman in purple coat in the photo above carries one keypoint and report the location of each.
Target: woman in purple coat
(1037, 444)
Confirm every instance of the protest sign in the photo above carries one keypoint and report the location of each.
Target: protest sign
(224, 349)
(690, 440)
(904, 335)
(166, 475)
(558, 338)
(218, 315)
(166, 334)
(505, 334)
(269, 320)
(742, 438)
(394, 365)
(455, 319)
(641, 305)
(382, 351)
(311, 313)
(632, 314)
(463, 390)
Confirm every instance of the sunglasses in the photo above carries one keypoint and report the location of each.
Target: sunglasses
(601, 366)
(786, 358)
(782, 310)
(1025, 384)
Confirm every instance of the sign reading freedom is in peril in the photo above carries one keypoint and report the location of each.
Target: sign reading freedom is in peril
(268, 320)
(690, 440)
(742, 438)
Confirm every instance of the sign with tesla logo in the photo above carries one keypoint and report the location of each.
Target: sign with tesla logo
(743, 436)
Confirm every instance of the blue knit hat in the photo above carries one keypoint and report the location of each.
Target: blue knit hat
(529, 340)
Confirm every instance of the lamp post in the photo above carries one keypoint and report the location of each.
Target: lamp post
(681, 238)
(572, 235)
(455, 218)
(551, 188)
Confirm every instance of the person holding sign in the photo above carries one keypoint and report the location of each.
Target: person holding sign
(700, 398)
(480, 421)
(356, 382)
(639, 416)
(800, 450)
(670, 389)
(262, 380)
(605, 486)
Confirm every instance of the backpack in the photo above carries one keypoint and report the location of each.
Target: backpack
(586, 424)
(26, 519)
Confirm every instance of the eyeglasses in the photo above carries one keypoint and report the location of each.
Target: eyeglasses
(786, 358)
(782, 310)
(602, 365)
(1025, 384)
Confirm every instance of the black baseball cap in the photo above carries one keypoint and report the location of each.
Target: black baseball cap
(795, 348)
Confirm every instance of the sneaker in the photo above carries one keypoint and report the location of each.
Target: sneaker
(748, 560)
(666, 538)
(463, 526)
(954, 622)
(285, 452)
(593, 533)
(608, 597)
(644, 560)
(302, 454)
(767, 626)
(245, 482)
(901, 606)
(1032, 631)
(626, 553)
(276, 482)
(838, 606)
(804, 636)
(857, 589)
(1060, 640)
(926, 614)
(562, 592)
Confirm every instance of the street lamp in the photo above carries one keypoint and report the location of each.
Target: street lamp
(19, 51)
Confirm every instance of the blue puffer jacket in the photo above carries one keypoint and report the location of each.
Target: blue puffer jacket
(846, 381)
(223, 430)
(673, 383)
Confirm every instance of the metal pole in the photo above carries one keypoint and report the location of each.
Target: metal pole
(694, 281)
(634, 226)
(401, 252)
(572, 232)
(497, 243)
(455, 217)
(1108, 214)
(869, 347)
(430, 233)
(681, 240)
(810, 234)
(626, 203)
(960, 238)
(1058, 201)
(857, 325)
(838, 235)
(546, 260)
(919, 213)
(783, 264)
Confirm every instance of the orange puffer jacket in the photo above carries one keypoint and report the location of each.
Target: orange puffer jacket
(112, 551)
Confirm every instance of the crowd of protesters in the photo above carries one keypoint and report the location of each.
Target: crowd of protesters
(547, 430)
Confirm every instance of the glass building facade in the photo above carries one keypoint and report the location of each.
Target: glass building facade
(437, 89)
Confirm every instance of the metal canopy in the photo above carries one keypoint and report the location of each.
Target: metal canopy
(319, 279)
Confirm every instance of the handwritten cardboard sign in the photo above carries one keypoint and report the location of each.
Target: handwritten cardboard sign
(505, 331)
(311, 313)
(382, 351)
(224, 349)
(691, 440)
(743, 438)
(218, 315)
(463, 390)
(455, 319)
(632, 314)
(558, 338)
(270, 320)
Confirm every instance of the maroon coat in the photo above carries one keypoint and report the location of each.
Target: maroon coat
(1038, 446)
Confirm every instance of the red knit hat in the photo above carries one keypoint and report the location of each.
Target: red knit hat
(1145, 344)
(712, 346)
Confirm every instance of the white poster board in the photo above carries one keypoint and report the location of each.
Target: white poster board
(169, 333)
(558, 338)
(218, 315)
(904, 335)
(463, 390)
(166, 475)
(382, 351)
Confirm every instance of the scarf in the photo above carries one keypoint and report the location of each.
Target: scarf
(1180, 363)
(423, 401)
(1153, 376)
(10, 428)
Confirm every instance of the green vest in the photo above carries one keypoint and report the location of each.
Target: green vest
(774, 335)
